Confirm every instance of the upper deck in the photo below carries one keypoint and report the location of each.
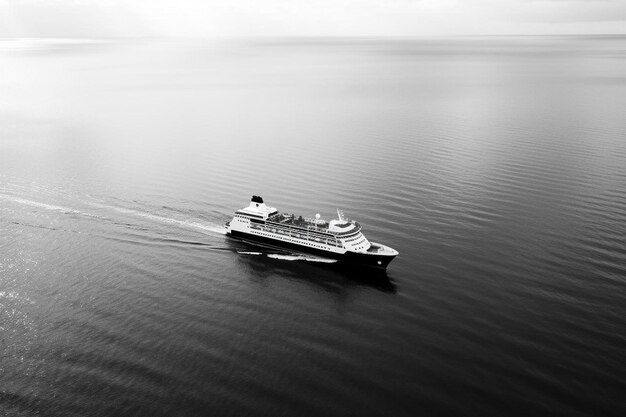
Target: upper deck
(314, 225)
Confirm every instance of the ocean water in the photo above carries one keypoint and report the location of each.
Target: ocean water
(495, 166)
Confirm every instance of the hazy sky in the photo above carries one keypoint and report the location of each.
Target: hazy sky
(241, 18)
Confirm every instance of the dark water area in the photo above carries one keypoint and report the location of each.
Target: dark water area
(495, 166)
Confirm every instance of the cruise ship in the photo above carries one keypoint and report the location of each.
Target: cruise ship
(339, 239)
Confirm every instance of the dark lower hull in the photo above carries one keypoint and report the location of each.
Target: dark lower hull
(371, 260)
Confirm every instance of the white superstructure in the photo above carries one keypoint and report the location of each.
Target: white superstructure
(338, 237)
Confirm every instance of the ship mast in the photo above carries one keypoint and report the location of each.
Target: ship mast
(340, 215)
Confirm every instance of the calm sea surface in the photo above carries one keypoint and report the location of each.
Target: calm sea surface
(495, 166)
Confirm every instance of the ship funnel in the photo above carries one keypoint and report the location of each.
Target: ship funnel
(258, 207)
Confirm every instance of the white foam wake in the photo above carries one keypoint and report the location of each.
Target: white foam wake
(212, 228)
(37, 204)
(45, 206)
(301, 258)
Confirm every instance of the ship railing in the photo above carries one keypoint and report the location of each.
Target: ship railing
(291, 220)
(316, 229)
(298, 233)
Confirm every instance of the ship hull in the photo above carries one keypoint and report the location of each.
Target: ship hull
(363, 259)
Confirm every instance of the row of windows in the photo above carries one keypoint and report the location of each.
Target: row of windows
(312, 231)
(295, 241)
(354, 238)
(300, 230)
(299, 233)
(331, 242)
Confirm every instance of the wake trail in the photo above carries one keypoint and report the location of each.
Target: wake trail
(301, 258)
(284, 257)
(46, 206)
(189, 224)
(211, 228)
